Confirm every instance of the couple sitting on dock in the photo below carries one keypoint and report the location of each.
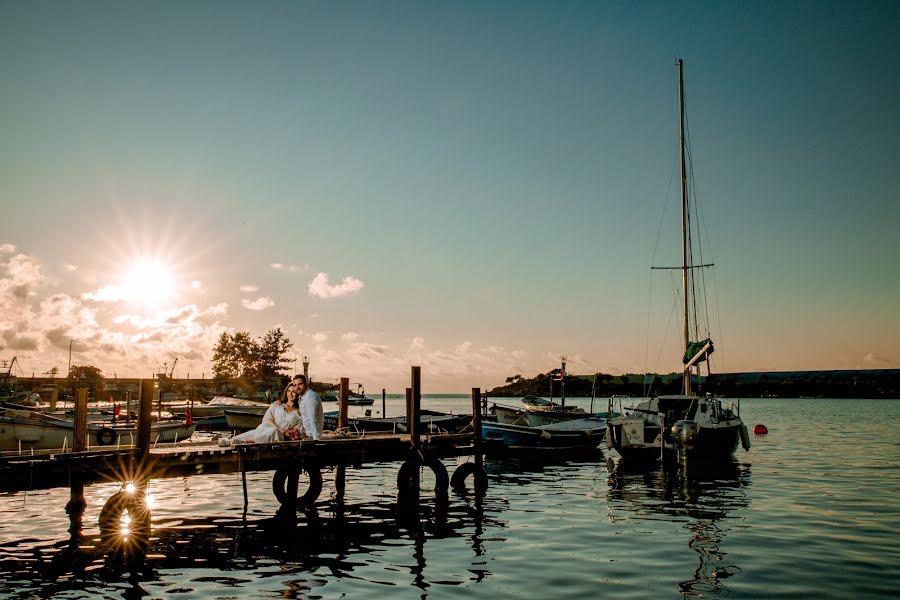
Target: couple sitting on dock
(297, 411)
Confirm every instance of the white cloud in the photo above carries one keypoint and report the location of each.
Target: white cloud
(417, 343)
(320, 336)
(350, 336)
(7, 248)
(261, 303)
(107, 293)
(873, 359)
(321, 288)
(70, 267)
(249, 288)
(289, 268)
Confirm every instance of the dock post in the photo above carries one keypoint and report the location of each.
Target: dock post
(383, 397)
(145, 410)
(79, 441)
(54, 396)
(414, 424)
(343, 400)
(476, 426)
(75, 509)
(408, 408)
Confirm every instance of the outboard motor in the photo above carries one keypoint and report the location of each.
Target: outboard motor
(684, 431)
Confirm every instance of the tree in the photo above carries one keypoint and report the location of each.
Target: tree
(237, 356)
(271, 353)
(87, 376)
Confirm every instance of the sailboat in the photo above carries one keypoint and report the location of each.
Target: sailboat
(687, 425)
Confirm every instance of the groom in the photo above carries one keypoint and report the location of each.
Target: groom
(312, 416)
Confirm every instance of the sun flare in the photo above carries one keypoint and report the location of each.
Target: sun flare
(149, 284)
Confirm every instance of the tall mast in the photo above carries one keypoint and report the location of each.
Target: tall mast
(684, 223)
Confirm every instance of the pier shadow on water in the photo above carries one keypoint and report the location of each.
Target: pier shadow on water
(295, 544)
(706, 497)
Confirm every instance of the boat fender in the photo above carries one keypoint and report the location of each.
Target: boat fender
(479, 477)
(545, 435)
(106, 437)
(287, 477)
(760, 429)
(413, 464)
(745, 437)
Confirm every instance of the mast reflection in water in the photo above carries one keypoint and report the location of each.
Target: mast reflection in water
(706, 498)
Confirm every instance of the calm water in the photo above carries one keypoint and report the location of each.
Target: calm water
(811, 511)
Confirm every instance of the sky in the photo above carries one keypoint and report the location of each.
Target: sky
(476, 188)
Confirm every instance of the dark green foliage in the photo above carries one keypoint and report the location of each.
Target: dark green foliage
(239, 357)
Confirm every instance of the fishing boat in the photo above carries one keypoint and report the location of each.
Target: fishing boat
(686, 425)
(432, 421)
(32, 430)
(216, 407)
(577, 434)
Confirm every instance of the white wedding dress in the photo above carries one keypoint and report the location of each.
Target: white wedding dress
(266, 433)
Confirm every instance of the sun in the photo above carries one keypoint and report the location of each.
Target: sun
(148, 283)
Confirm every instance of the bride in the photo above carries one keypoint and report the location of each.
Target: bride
(282, 415)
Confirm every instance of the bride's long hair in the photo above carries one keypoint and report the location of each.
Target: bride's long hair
(283, 398)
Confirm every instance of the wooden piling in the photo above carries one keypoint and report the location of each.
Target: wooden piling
(145, 410)
(476, 426)
(415, 406)
(343, 402)
(383, 398)
(54, 396)
(79, 441)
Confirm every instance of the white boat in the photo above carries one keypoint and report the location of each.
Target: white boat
(686, 426)
(23, 430)
(216, 407)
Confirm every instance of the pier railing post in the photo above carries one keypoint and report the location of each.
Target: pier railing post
(383, 397)
(408, 408)
(145, 410)
(415, 406)
(343, 401)
(476, 426)
(79, 441)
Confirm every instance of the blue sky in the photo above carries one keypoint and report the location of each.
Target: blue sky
(473, 187)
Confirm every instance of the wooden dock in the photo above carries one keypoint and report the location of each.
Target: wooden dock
(290, 461)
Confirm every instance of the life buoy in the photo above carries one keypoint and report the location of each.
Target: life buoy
(106, 436)
(412, 465)
(289, 475)
(479, 477)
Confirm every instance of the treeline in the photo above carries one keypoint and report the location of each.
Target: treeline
(874, 383)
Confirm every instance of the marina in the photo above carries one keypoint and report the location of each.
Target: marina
(597, 523)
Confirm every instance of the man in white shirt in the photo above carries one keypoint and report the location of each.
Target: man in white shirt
(312, 416)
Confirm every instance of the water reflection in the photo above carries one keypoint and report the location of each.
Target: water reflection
(335, 537)
(708, 496)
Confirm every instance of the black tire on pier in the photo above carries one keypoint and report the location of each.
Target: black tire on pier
(405, 477)
(287, 478)
(479, 477)
(115, 507)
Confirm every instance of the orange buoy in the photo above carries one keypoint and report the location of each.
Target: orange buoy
(760, 429)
